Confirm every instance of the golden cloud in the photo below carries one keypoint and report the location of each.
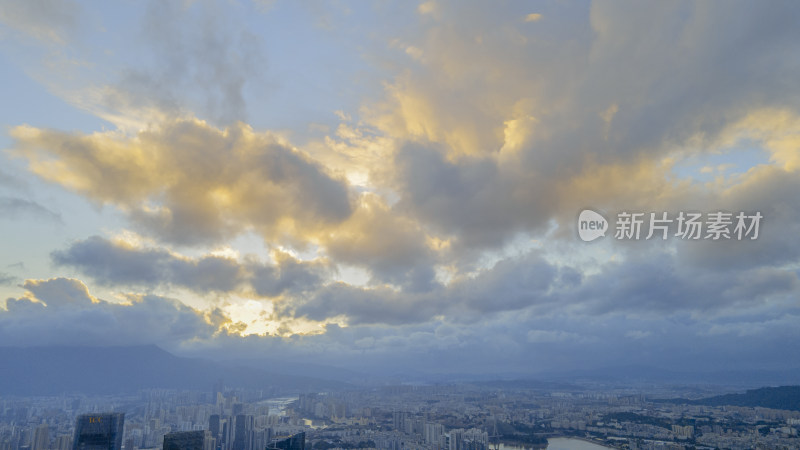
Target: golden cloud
(188, 182)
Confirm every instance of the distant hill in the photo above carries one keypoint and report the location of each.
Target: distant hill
(104, 370)
(523, 384)
(783, 397)
(633, 375)
(303, 369)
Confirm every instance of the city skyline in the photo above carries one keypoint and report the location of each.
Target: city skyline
(396, 186)
(454, 416)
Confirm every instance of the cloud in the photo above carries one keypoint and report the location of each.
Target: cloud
(201, 62)
(523, 340)
(361, 306)
(533, 17)
(504, 133)
(187, 182)
(522, 343)
(17, 208)
(6, 278)
(287, 275)
(658, 282)
(115, 263)
(468, 200)
(11, 181)
(510, 285)
(391, 247)
(638, 334)
(648, 283)
(50, 21)
(547, 336)
(428, 7)
(62, 311)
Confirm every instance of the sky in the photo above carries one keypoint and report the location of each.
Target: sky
(396, 185)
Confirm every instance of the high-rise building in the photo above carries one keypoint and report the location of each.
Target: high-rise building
(261, 439)
(226, 441)
(189, 440)
(237, 409)
(294, 442)
(244, 426)
(64, 442)
(433, 433)
(41, 438)
(214, 425)
(472, 439)
(99, 431)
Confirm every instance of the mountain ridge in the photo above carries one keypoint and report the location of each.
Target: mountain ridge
(780, 397)
(55, 370)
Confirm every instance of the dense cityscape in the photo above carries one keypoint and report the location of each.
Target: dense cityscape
(476, 416)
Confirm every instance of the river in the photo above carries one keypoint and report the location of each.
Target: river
(277, 406)
(562, 443)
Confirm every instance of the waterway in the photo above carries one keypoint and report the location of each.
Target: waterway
(562, 443)
(277, 406)
(572, 444)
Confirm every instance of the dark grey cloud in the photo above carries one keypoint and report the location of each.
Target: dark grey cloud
(521, 343)
(65, 313)
(15, 208)
(6, 278)
(469, 199)
(656, 282)
(510, 285)
(519, 340)
(287, 275)
(648, 282)
(111, 263)
(773, 194)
